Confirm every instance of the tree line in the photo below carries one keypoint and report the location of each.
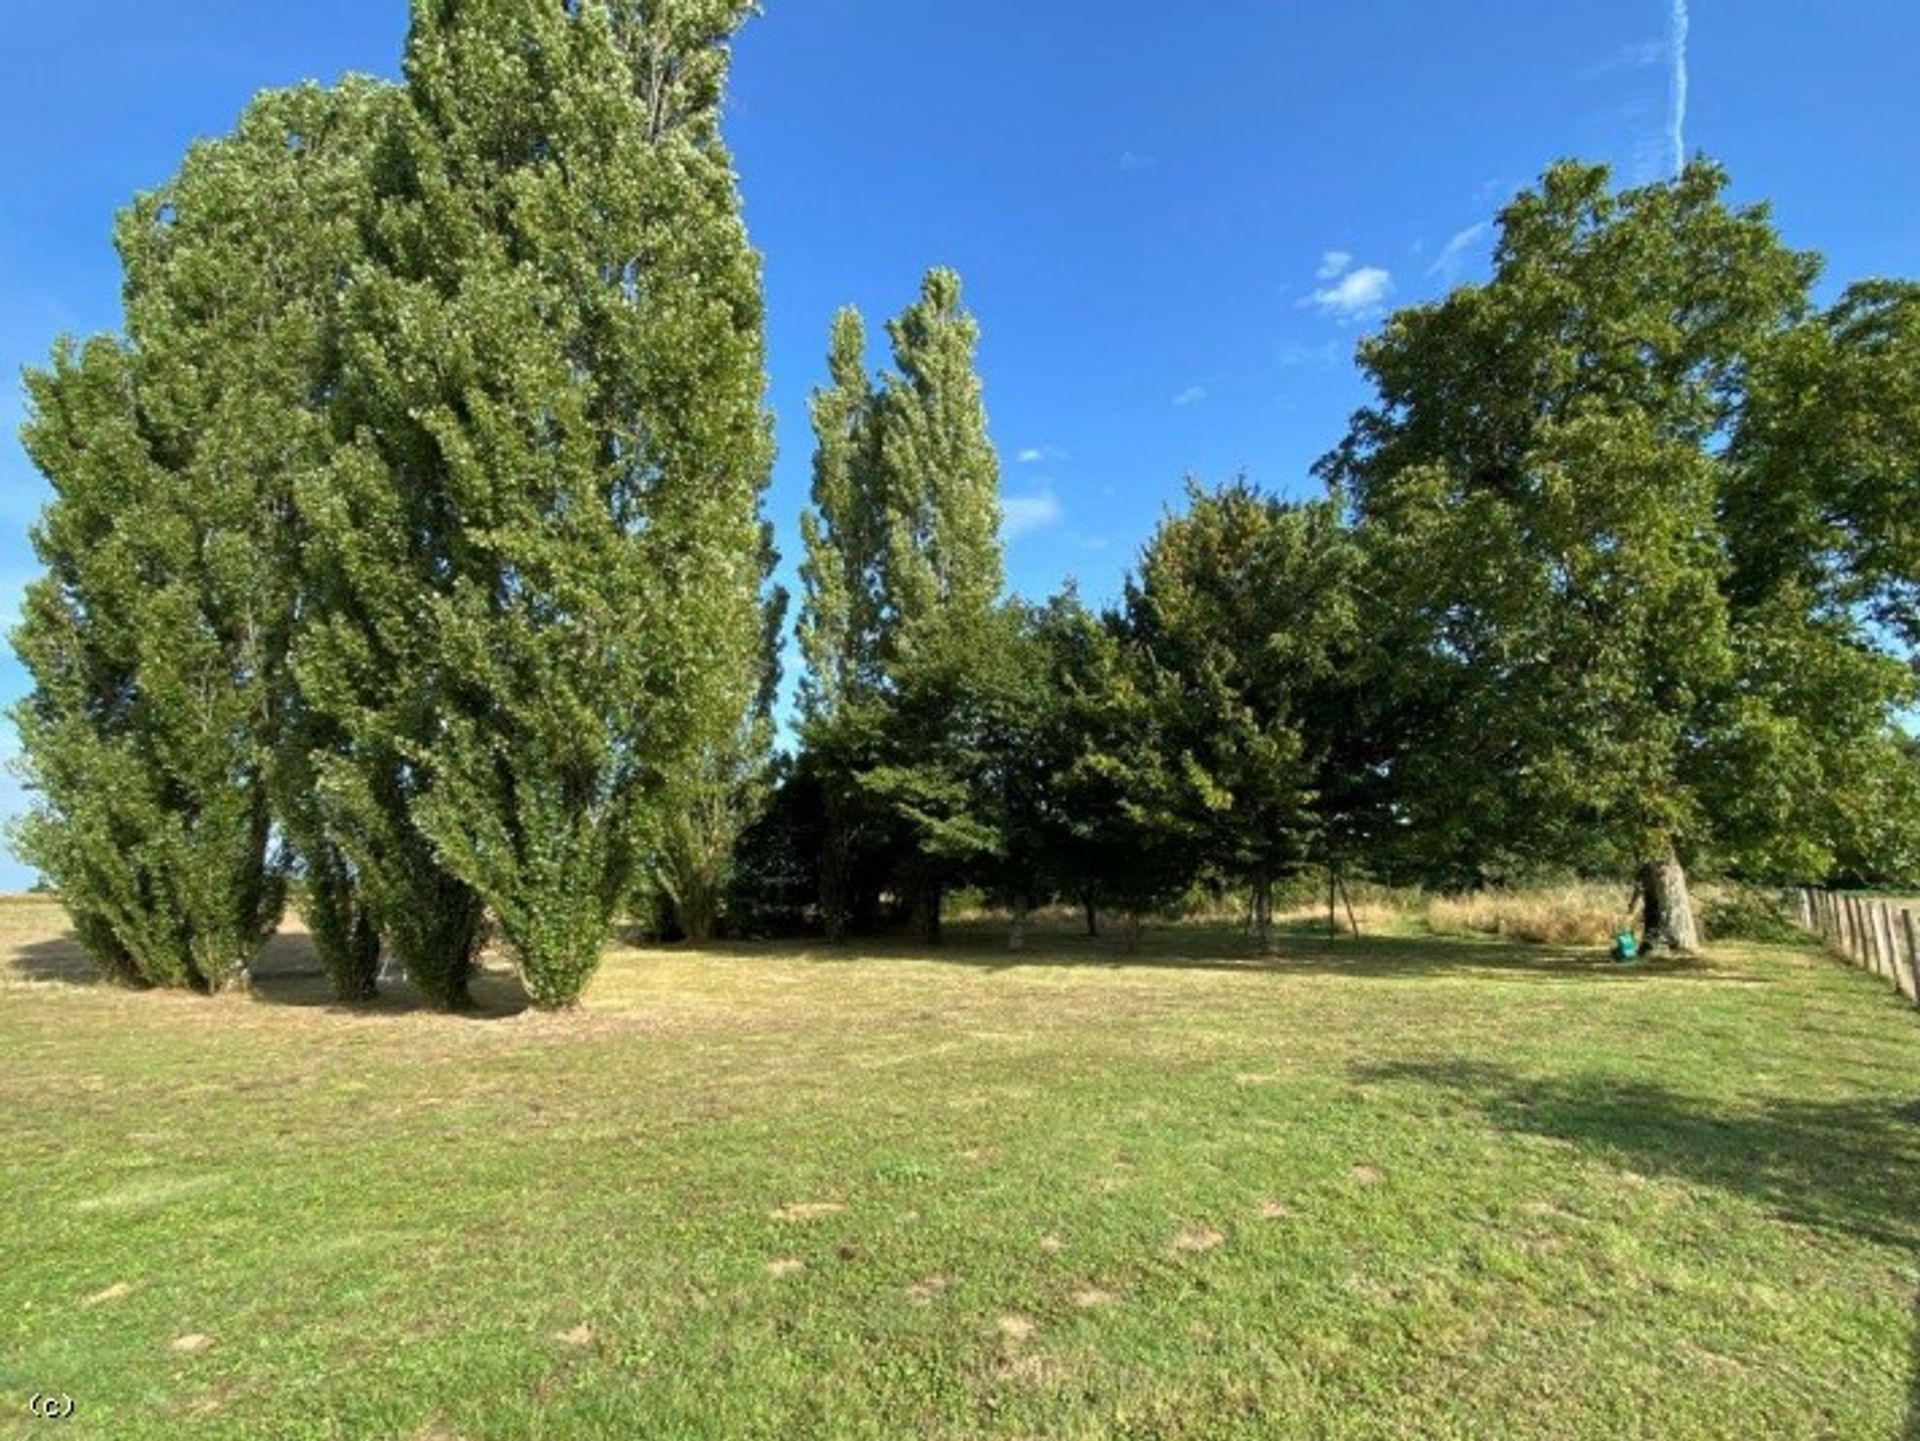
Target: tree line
(407, 550)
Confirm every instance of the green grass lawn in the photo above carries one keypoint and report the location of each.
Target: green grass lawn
(1398, 1187)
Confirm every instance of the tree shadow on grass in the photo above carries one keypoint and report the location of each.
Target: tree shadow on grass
(1849, 1168)
(1297, 952)
(288, 973)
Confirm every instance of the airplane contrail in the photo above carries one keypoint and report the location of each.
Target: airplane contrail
(1677, 124)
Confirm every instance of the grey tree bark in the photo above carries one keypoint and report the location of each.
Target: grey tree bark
(1667, 912)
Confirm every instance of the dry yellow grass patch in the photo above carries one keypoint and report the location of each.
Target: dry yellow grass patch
(1198, 1239)
(1568, 915)
(806, 1210)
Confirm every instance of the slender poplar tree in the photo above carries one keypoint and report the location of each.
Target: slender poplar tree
(158, 639)
(903, 575)
(543, 544)
(839, 630)
(544, 540)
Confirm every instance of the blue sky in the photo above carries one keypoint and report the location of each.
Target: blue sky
(1174, 221)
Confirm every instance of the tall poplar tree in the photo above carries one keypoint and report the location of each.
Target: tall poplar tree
(544, 543)
(903, 575)
(844, 534)
(158, 638)
(722, 791)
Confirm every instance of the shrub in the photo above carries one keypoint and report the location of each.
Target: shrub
(1746, 913)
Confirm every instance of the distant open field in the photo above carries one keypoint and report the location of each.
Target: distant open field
(1395, 1187)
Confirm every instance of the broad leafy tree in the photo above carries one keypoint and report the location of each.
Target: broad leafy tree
(1245, 606)
(1543, 488)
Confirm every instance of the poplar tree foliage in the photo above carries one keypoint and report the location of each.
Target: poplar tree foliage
(839, 631)
(541, 545)
(158, 637)
(902, 578)
(1543, 488)
(713, 799)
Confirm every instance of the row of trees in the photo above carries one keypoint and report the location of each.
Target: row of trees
(1620, 573)
(407, 543)
(406, 551)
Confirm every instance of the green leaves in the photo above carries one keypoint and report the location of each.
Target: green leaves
(422, 499)
(158, 641)
(902, 575)
(555, 375)
(1599, 512)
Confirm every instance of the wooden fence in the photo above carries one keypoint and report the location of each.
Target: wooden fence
(1875, 935)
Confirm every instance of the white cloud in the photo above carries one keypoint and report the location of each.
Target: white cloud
(1134, 160)
(1453, 255)
(1035, 454)
(1357, 294)
(1334, 262)
(1192, 395)
(1023, 514)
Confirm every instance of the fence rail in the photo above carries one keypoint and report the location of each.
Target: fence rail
(1875, 935)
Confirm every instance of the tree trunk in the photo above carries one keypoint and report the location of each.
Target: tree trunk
(1668, 908)
(1135, 923)
(1263, 912)
(833, 877)
(1087, 899)
(1017, 937)
(926, 907)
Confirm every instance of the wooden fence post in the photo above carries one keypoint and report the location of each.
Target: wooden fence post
(1849, 932)
(1912, 928)
(1890, 924)
(1889, 942)
(1870, 910)
(1906, 964)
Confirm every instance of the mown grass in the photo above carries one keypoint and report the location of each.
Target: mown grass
(1394, 1187)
